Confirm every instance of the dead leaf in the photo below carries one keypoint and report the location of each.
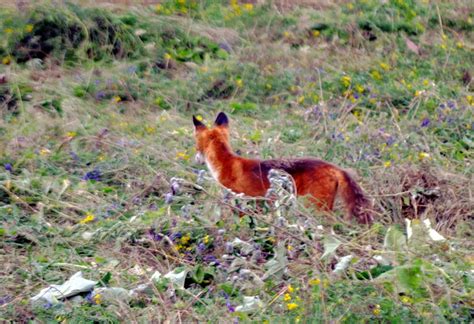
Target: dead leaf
(412, 46)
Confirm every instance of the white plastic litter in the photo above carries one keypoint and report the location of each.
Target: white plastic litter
(343, 264)
(434, 235)
(176, 277)
(251, 303)
(75, 285)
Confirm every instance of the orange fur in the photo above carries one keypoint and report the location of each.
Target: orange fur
(319, 180)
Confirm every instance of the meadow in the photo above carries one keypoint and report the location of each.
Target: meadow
(97, 172)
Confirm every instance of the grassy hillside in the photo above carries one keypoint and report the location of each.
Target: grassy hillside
(97, 172)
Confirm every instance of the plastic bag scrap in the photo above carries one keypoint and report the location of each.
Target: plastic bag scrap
(251, 303)
(75, 285)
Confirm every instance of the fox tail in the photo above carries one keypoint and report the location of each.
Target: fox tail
(357, 203)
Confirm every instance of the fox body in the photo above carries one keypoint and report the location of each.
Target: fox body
(317, 179)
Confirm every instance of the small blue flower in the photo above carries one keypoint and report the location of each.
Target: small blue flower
(94, 175)
(8, 167)
(425, 122)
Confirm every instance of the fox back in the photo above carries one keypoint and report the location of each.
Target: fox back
(319, 180)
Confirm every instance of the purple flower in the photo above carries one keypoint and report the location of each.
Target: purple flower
(175, 236)
(425, 122)
(5, 299)
(169, 198)
(94, 175)
(154, 236)
(100, 95)
(201, 247)
(390, 140)
(451, 104)
(227, 302)
(8, 167)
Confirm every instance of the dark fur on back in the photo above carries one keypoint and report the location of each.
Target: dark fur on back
(292, 166)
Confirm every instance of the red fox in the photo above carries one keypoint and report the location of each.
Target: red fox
(318, 179)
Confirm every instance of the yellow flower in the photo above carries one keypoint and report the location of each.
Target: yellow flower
(418, 93)
(97, 299)
(248, 6)
(291, 306)
(376, 311)
(300, 100)
(423, 155)
(117, 99)
(239, 83)
(376, 75)
(182, 156)
(426, 82)
(314, 282)
(6, 60)
(406, 300)
(71, 134)
(185, 239)
(459, 45)
(199, 117)
(359, 88)
(470, 100)
(150, 129)
(346, 81)
(167, 56)
(8, 30)
(158, 8)
(316, 33)
(29, 28)
(287, 297)
(206, 239)
(290, 288)
(387, 164)
(89, 218)
(385, 66)
(286, 34)
(289, 247)
(44, 151)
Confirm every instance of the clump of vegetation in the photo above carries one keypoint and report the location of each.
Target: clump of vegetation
(97, 172)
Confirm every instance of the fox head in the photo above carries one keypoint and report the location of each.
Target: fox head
(205, 137)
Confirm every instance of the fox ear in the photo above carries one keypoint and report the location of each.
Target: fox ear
(222, 120)
(197, 123)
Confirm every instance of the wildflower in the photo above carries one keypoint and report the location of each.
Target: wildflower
(459, 45)
(376, 310)
(423, 155)
(117, 99)
(385, 66)
(71, 134)
(291, 306)
(248, 6)
(6, 60)
(360, 89)
(290, 288)
(167, 56)
(185, 239)
(316, 33)
(182, 156)
(89, 218)
(290, 248)
(346, 81)
(301, 100)
(387, 164)
(94, 175)
(8, 167)
(287, 297)
(425, 122)
(29, 28)
(314, 282)
(206, 239)
(406, 300)
(97, 299)
(158, 8)
(44, 151)
(286, 34)
(470, 100)
(376, 75)
(8, 30)
(418, 93)
(239, 83)
(426, 82)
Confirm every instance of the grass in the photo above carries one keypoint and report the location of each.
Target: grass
(98, 174)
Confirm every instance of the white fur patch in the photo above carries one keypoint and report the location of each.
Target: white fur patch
(213, 171)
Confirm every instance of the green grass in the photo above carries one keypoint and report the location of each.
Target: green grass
(95, 126)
